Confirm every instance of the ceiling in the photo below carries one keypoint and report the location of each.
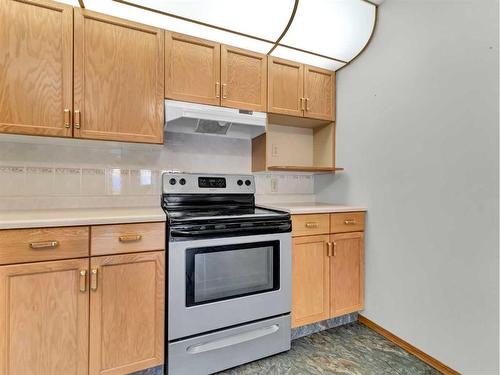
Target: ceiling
(323, 33)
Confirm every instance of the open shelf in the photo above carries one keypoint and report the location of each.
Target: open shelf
(290, 168)
(299, 146)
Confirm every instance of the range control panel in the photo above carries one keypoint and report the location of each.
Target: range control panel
(194, 183)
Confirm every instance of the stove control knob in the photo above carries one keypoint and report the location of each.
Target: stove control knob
(182, 181)
(172, 181)
(248, 182)
(240, 182)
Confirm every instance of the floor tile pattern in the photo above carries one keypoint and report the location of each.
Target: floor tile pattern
(351, 349)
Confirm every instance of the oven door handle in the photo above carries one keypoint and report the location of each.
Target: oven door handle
(233, 340)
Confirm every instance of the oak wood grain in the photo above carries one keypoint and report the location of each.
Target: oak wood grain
(36, 67)
(319, 92)
(118, 79)
(310, 224)
(72, 242)
(347, 273)
(43, 319)
(310, 280)
(347, 222)
(127, 313)
(285, 87)
(105, 239)
(192, 69)
(243, 79)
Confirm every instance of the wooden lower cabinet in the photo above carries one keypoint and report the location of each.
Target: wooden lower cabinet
(310, 280)
(126, 312)
(327, 276)
(347, 273)
(44, 317)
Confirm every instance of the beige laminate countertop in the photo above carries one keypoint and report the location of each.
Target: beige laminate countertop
(78, 216)
(297, 208)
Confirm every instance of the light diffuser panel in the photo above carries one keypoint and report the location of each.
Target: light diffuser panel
(334, 28)
(306, 58)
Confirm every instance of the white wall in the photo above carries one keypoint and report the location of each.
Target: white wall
(418, 136)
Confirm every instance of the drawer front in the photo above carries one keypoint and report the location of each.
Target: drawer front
(34, 245)
(304, 225)
(347, 222)
(127, 238)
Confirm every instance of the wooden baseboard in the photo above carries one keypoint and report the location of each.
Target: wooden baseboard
(431, 361)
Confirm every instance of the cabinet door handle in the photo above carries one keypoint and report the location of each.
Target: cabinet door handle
(83, 281)
(44, 245)
(217, 89)
(301, 104)
(77, 119)
(311, 225)
(329, 249)
(130, 238)
(67, 118)
(224, 91)
(334, 248)
(307, 104)
(93, 279)
(350, 222)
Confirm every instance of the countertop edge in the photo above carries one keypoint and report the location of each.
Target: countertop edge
(313, 210)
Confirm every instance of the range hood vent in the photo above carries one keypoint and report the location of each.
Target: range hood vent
(182, 117)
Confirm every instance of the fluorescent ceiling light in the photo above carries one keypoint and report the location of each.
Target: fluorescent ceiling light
(334, 28)
(265, 19)
(177, 25)
(306, 58)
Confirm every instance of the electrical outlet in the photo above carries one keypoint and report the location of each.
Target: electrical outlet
(274, 184)
(274, 151)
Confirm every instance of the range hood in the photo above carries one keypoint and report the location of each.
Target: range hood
(182, 117)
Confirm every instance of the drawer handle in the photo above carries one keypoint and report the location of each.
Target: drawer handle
(312, 225)
(44, 245)
(350, 222)
(130, 238)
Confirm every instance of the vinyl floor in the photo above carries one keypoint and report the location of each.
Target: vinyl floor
(351, 349)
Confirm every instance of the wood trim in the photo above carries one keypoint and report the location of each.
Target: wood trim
(431, 361)
(292, 16)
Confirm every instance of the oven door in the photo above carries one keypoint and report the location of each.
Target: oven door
(217, 283)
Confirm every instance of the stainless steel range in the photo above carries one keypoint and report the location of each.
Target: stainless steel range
(229, 274)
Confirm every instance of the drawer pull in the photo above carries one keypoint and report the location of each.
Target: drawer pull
(130, 238)
(93, 279)
(44, 245)
(350, 222)
(83, 281)
(312, 225)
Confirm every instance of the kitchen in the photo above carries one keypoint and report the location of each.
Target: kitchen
(184, 193)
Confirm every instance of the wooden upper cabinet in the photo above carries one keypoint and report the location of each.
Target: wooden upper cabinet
(347, 273)
(192, 69)
(244, 79)
(285, 87)
(44, 318)
(127, 312)
(310, 280)
(119, 72)
(36, 67)
(319, 93)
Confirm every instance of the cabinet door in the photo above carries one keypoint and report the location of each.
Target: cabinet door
(310, 280)
(347, 273)
(285, 85)
(319, 93)
(36, 67)
(126, 312)
(192, 69)
(244, 79)
(44, 318)
(118, 79)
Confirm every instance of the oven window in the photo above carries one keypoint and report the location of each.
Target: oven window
(222, 272)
